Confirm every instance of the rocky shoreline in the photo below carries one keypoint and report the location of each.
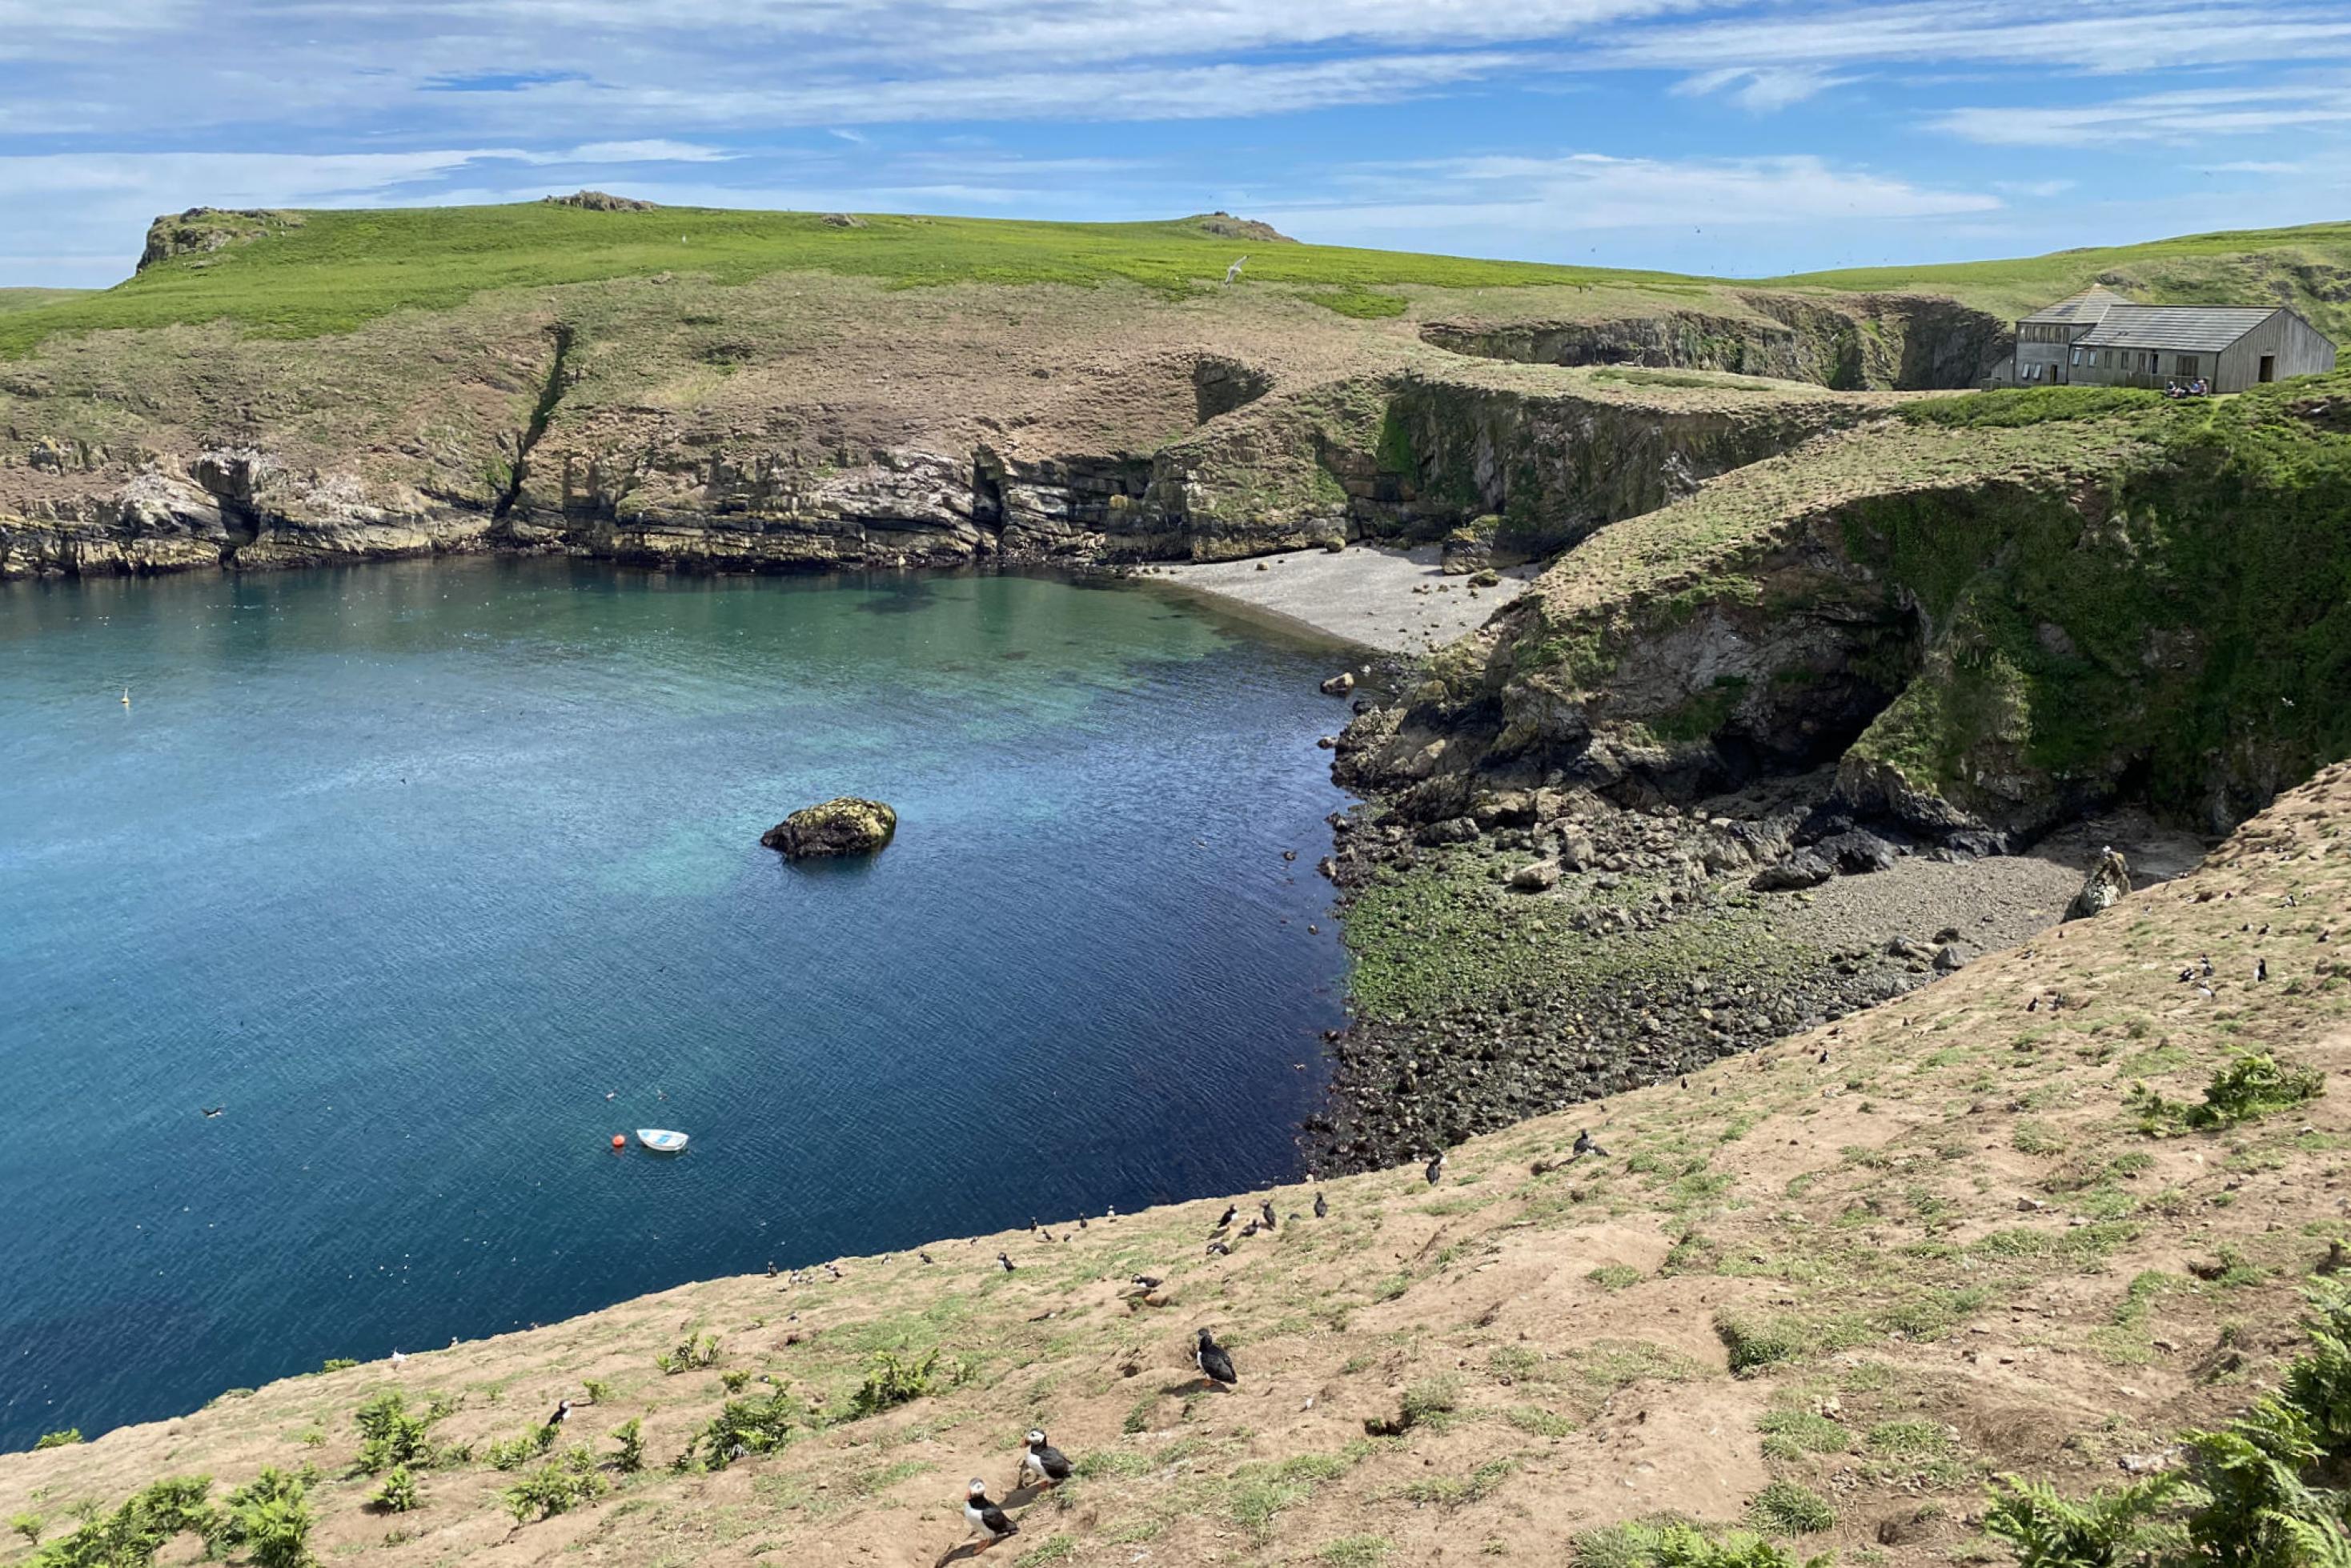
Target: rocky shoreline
(1556, 947)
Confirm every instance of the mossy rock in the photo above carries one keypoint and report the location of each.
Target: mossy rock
(846, 826)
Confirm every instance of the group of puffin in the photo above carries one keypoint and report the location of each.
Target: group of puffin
(1045, 1465)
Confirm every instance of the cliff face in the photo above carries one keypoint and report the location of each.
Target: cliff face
(1524, 460)
(1849, 342)
(1985, 630)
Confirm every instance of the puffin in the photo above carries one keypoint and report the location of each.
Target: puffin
(1006, 1261)
(1322, 1207)
(1213, 1362)
(984, 1516)
(1586, 1144)
(213, 1110)
(1436, 1168)
(1225, 1218)
(1265, 1208)
(1148, 1281)
(2261, 968)
(562, 1413)
(1041, 1459)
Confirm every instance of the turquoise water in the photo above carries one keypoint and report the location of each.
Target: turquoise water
(410, 866)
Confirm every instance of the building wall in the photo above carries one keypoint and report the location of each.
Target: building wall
(2043, 351)
(2299, 350)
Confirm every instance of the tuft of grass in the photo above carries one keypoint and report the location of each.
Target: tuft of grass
(1355, 1552)
(1785, 1508)
(1790, 1433)
(1616, 1276)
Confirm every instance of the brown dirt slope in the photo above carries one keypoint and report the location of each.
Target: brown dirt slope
(1876, 1263)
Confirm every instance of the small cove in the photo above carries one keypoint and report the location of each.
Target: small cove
(409, 866)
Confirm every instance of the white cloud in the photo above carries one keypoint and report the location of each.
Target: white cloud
(1558, 198)
(2184, 117)
(2086, 35)
(1765, 88)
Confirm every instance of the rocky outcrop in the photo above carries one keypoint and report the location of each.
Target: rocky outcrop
(2108, 880)
(200, 231)
(844, 826)
(600, 201)
(1904, 342)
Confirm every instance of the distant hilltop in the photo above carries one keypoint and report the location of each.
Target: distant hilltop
(600, 201)
(1224, 224)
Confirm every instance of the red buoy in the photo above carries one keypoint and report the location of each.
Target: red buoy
(620, 1140)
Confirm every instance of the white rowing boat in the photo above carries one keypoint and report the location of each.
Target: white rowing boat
(662, 1140)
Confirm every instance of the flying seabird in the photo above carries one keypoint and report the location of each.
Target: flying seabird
(1436, 1168)
(1006, 1261)
(1213, 1362)
(984, 1516)
(1043, 1461)
(214, 1110)
(1322, 1207)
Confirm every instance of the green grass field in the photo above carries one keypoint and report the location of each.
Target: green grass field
(332, 271)
(2193, 269)
(338, 269)
(13, 299)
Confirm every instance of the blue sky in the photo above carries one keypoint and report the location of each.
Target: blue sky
(1732, 138)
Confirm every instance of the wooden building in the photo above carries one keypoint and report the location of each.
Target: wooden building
(2099, 338)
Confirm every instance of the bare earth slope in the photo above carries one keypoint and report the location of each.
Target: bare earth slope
(1873, 1262)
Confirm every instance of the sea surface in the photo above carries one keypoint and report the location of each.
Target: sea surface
(435, 875)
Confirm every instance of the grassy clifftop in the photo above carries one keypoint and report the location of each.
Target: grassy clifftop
(2038, 1219)
(302, 274)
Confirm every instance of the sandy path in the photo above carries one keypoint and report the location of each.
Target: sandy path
(1398, 601)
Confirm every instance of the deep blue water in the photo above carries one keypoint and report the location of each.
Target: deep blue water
(410, 865)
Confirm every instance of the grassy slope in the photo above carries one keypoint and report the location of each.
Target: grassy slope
(338, 269)
(1948, 1250)
(13, 299)
(2232, 265)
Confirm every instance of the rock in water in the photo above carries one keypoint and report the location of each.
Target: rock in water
(2108, 880)
(1340, 684)
(847, 826)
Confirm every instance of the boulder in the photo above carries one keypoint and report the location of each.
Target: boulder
(1949, 957)
(1451, 831)
(2108, 880)
(846, 826)
(1805, 868)
(1857, 851)
(1340, 684)
(1538, 878)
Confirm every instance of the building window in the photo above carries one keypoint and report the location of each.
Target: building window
(2077, 356)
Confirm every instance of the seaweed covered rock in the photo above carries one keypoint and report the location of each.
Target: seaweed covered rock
(845, 826)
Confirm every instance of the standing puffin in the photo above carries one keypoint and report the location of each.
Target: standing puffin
(1213, 1362)
(562, 1413)
(985, 1518)
(1322, 1207)
(1043, 1461)
(1225, 1218)
(1265, 1208)
(1436, 1168)
(1000, 1258)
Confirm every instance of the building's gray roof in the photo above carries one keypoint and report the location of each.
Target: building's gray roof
(2206, 329)
(2087, 306)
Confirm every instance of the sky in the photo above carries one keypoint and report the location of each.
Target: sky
(1724, 137)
